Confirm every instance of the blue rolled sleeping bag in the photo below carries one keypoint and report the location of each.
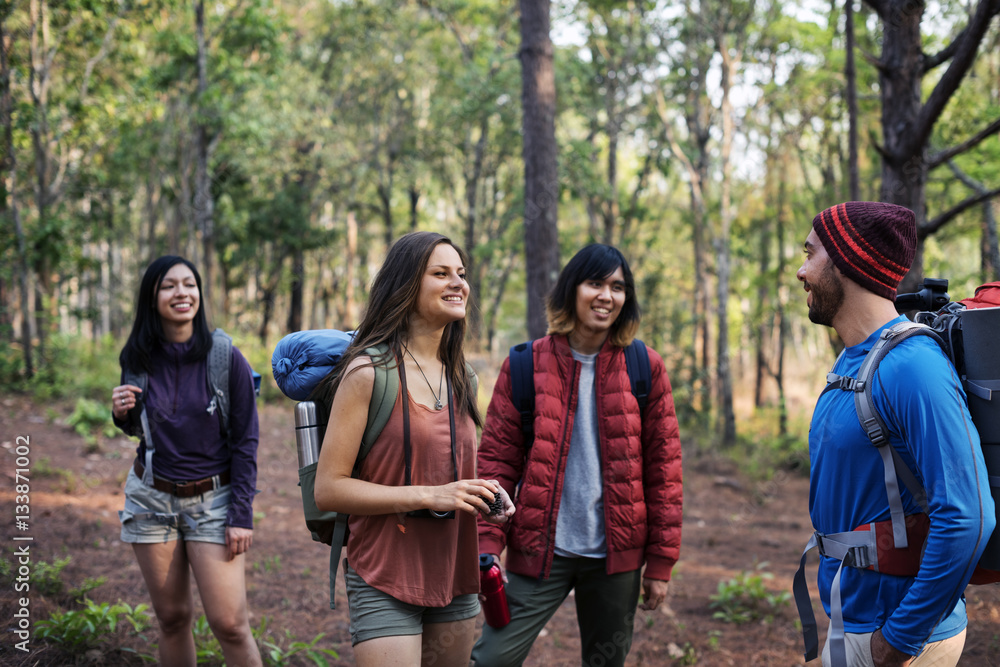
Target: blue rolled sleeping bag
(301, 359)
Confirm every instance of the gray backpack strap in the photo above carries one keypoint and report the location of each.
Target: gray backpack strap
(878, 432)
(219, 360)
(141, 380)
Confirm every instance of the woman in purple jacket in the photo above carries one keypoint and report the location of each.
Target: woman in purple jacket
(188, 509)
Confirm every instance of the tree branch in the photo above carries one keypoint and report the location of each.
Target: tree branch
(872, 60)
(940, 221)
(881, 7)
(101, 55)
(965, 55)
(930, 62)
(940, 158)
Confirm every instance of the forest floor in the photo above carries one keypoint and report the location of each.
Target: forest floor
(731, 526)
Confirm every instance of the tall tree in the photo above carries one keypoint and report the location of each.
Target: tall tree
(908, 121)
(851, 89)
(8, 183)
(541, 177)
(204, 204)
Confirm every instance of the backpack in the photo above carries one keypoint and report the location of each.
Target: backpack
(299, 362)
(965, 331)
(522, 382)
(217, 376)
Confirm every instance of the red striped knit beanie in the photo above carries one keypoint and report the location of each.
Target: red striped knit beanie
(870, 242)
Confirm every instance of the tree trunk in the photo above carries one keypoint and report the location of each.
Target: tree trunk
(727, 417)
(298, 280)
(473, 216)
(851, 88)
(23, 274)
(611, 213)
(414, 194)
(204, 204)
(350, 262)
(8, 202)
(908, 123)
(764, 267)
(903, 174)
(152, 216)
(38, 83)
(781, 290)
(541, 177)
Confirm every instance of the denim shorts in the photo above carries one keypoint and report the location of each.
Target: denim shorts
(153, 517)
(376, 614)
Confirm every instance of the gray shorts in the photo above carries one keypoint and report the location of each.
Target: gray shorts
(155, 517)
(376, 614)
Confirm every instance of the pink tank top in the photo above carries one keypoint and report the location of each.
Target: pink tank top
(421, 561)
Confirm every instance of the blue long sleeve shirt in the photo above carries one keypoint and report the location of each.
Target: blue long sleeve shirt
(918, 394)
(188, 440)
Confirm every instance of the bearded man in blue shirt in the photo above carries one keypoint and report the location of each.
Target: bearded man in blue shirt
(856, 255)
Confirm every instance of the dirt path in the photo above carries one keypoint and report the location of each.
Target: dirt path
(730, 526)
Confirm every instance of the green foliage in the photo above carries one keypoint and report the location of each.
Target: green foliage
(92, 420)
(93, 626)
(206, 646)
(77, 367)
(269, 565)
(11, 367)
(90, 583)
(47, 577)
(745, 598)
(274, 652)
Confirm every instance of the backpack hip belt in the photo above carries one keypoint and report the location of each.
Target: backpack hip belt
(868, 547)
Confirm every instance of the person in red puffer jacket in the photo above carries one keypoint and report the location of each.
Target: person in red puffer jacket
(599, 490)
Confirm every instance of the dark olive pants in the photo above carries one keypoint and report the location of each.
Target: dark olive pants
(605, 609)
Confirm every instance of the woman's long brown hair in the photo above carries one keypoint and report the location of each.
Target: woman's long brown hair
(392, 300)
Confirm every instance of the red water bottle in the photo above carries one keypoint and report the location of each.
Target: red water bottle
(491, 585)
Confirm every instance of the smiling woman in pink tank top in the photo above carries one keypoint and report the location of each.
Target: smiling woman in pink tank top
(412, 554)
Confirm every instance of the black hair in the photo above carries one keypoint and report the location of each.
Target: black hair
(594, 262)
(147, 328)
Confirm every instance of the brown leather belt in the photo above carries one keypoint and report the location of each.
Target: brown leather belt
(185, 489)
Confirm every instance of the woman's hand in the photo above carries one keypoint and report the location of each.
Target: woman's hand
(506, 511)
(467, 495)
(123, 399)
(238, 540)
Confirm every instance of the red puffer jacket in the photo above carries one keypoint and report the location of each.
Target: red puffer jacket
(641, 463)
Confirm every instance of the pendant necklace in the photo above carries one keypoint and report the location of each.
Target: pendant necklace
(437, 396)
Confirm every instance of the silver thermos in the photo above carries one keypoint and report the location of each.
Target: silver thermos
(306, 433)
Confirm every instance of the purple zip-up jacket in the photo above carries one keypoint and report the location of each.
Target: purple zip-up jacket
(189, 444)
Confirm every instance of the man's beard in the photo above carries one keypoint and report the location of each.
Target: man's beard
(827, 297)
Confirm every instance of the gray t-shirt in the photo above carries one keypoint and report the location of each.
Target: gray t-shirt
(580, 524)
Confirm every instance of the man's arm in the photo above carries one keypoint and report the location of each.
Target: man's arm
(923, 400)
